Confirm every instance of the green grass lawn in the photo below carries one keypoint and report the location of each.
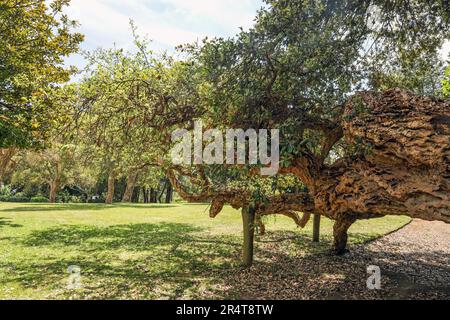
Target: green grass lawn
(141, 251)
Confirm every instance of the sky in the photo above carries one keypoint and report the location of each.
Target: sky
(167, 22)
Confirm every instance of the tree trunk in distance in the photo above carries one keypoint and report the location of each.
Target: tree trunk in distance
(248, 219)
(136, 195)
(53, 191)
(153, 196)
(6, 156)
(169, 192)
(159, 197)
(55, 183)
(110, 194)
(131, 182)
(145, 194)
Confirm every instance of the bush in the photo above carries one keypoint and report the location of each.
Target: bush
(65, 196)
(16, 198)
(5, 191)
(75, 199)
(39, 199)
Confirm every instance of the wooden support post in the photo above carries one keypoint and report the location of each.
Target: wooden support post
(248, 219)
(316, 228)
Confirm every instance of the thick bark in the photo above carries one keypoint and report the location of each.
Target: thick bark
(404, 164)
(340, 233)
(248, 220)
(111, 185)
(131, 182)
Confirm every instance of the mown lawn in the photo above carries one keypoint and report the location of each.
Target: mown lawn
(141, 251)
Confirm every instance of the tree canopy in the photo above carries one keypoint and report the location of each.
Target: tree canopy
(35, 39)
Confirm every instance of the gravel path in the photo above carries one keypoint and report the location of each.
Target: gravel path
(414, 263)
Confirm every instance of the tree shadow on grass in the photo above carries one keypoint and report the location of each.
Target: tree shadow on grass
(163, 260)
(6, 222)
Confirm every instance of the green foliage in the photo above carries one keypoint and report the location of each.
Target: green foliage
(35, 38)
(5, 191)
(302, 60)
(65, 197)
(39, 199)
(14, 198)
(446, 83)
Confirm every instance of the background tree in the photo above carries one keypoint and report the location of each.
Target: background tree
(132, 102)
(36, 37)
(54, 167)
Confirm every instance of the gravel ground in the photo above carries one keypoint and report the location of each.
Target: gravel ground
(414, 263)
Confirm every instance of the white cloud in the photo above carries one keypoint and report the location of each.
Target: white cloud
(167, 22)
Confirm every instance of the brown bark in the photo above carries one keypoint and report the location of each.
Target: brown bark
(111, 185)
(405, 169)
(340, 233)
(56, 182)
(53, 191)
(6, 156)
(131, 182)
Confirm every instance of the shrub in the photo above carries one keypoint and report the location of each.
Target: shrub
(39, 199)
(5, 191)
(16, 198)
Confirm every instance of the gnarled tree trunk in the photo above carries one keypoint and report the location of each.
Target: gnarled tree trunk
(53, 191)
(403, 167)
(340, 233)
